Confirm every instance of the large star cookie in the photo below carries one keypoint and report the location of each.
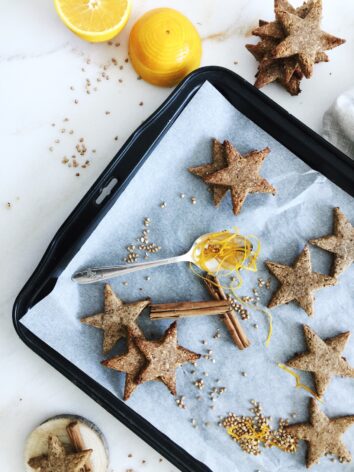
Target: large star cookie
(287, 71)
(323, 358)
(341, 243)
(57, 460)
(131, 363)
(219, 162)
(115, 319)
(241, 175)
(298, 282)
(164, 356)
(305, 37)
(322, 434)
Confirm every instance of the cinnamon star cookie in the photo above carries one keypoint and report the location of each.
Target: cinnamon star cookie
(322, 434)
(57, 460)
(298, 282)
(241, 175)
(219, 162)
(131, 363)
(323, 358)
(341, 243)
(305, 37)
(115, 319)
(164, 356)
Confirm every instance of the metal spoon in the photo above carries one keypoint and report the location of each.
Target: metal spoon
(95, 274)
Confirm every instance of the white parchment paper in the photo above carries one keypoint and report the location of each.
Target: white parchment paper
(301, 210)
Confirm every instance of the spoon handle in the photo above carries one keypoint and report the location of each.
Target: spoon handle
(95, 274)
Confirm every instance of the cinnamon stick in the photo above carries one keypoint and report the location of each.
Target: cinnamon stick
(184, 309)
(231, 322)
(74, 434)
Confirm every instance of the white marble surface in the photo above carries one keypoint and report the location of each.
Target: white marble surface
(39, 61)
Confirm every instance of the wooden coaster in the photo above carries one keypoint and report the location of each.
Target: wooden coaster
(92, 437)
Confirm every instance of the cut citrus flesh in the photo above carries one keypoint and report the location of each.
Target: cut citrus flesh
(164, 47)
(94, 20)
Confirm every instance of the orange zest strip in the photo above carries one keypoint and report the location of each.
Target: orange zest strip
(299, 384)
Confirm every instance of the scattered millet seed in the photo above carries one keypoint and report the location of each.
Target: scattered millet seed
(72, 87)
(163, 205)
(244, 374)
(8, 205)
(76, 101)
(117, 45)
(57, 141)
(255, 326)
(115, 138)
(193, 200)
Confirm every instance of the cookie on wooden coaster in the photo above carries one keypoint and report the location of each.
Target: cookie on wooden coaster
(323, 358)
(164, 356)
(322, 434)
(341, 243)
(115, 319)
(241, 175)
(298, 282)
(91, 438)
(58, 460)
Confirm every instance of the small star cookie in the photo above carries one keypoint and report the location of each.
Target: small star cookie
(115, 319)
(341, 243)
(298, 282)
(57, 460)
(164, 356)
(323, 359)
(322, 434)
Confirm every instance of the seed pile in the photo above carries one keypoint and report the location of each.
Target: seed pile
(250, 432)
(144, 245)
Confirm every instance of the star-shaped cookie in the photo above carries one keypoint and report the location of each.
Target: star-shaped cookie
(323, 358)
(219, 162)
(57, 460)
(241, 175)
(341, 243)
(298, 282)
(322, 434)
(131, 362)
(164, 356)
(115, 319)
(270, 70)
(286, 71)
(305, 37)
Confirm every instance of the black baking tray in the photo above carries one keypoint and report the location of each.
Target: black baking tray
(298, 138)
